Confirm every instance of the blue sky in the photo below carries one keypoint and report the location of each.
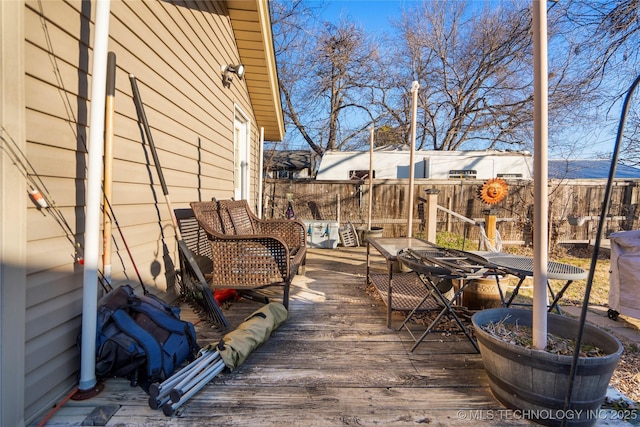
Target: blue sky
(372, 15)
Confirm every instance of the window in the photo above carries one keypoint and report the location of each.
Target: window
(360, 174)
(463, 173)
(241, 156)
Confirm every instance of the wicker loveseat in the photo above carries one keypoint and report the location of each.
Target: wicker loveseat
(248, 253)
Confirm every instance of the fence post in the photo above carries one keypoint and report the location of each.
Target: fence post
(431, 214)
(490, 219)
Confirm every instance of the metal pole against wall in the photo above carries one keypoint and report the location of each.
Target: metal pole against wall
(142, 118)
(414, 115)
(370, 178)
(261, 173)
(108, 166)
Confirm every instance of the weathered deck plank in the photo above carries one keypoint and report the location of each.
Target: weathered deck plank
(332, 363)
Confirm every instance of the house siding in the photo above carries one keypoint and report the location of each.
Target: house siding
(175, 51)
(13, 221)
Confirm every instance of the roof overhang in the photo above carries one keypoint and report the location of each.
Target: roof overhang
(251, 23)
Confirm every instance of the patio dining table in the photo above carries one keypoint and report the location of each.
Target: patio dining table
(418, 287)
(522, 267)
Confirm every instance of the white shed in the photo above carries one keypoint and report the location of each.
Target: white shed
(338, 165)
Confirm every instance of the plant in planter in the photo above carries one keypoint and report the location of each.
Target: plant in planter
(536, 380)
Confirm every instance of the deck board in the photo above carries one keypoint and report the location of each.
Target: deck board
(332, 363)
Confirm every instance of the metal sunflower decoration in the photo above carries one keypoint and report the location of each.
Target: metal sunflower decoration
(493, 191)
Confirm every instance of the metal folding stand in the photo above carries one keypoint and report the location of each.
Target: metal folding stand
(435, 266)
(181, 386)
(447, 309)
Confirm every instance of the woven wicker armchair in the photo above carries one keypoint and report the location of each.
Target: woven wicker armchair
(249, 253)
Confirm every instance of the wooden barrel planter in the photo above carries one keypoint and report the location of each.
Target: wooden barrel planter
(481, 294)
(536, 381)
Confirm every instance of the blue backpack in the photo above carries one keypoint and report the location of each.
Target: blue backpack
(141, 338)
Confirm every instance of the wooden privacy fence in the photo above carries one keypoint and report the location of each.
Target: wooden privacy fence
(574, 206)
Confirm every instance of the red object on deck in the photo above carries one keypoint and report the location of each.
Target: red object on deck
(222, 295)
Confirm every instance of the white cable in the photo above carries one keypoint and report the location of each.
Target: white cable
(484, 241)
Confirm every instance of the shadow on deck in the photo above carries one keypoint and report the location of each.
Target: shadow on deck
(332, 363)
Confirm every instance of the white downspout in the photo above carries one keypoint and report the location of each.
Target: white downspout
(260, 172)
(93, 197)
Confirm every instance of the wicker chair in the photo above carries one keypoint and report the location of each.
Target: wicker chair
(249, 253)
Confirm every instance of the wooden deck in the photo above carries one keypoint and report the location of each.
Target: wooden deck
(332, 363)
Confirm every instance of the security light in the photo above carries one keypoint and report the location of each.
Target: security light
(238, 70)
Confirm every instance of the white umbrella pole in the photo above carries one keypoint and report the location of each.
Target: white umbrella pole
(370, 178)
(94, 180)
(540, 162)
(414, 115)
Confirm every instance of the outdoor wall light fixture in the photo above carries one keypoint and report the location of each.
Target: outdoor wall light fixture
(238, 70)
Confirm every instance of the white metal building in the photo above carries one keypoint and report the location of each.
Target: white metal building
(336, 165)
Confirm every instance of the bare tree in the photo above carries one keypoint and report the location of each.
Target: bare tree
(607, 35)
(474, 66)
(630, 150)
(475, 72)
(324, 71)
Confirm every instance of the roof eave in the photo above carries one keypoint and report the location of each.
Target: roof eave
(251, 24)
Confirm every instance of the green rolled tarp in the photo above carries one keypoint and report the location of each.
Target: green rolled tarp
(236, 346)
